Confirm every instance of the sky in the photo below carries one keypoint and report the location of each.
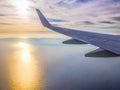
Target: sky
(96, 15)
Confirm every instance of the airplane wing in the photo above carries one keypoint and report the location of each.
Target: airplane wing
(104, 41)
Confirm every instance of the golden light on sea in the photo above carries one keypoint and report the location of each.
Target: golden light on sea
(25, 51)
(25, 72)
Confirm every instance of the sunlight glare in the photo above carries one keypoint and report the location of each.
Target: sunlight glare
(22, 6)
(23, 45)
(25, 53)
(26, 56)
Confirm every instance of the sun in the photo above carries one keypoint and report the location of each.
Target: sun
(22, 6)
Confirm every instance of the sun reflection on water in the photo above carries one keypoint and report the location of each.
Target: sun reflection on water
(25, 72)
(25, 51)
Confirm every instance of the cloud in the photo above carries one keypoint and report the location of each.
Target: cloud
(65, 13)
(7, 6)
(83, 1)
(116, 18)
(116, 0)
(88, 23)
(71, 3)
(2, 15)
(81, 13)
(107, 22)
(56, 20)
(5, 24)
(7, 14)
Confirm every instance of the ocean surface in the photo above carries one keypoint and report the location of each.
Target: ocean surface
(47, 64)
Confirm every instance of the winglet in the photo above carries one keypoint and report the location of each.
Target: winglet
(43, 20)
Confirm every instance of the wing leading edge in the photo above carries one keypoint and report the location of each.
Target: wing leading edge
(104, 41)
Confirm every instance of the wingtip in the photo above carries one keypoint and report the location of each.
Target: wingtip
(36, 9)
(43, 18)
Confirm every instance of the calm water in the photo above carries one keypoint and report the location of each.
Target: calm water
(47, 64)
